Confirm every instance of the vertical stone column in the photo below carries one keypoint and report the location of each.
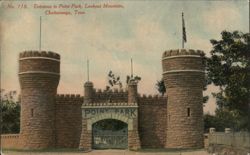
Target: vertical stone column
(228, 130)
(211, 130)
(133, 136)
(86, 137)
(39, 74)
(88, 92)
(183, 73)
(132, 92)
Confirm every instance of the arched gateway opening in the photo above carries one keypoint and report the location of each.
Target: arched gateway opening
(110, 134)
(109, 126)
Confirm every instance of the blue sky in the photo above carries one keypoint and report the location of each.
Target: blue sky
(142, 30)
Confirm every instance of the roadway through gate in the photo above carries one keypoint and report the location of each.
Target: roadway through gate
(110, 134)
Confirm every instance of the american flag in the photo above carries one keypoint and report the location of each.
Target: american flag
(184, 37)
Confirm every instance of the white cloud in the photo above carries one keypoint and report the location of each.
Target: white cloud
(221, 18)
(210, 106)
(198, 43)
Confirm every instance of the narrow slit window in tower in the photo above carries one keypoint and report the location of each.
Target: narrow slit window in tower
(188, 112)
(32, 112)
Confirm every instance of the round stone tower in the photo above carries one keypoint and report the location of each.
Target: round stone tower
(88, 92)
(39, 74)
(183, 74)
(132, 91)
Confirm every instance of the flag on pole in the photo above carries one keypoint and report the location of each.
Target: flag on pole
(184, 37)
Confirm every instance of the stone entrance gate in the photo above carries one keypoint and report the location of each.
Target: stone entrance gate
(110, 134)
(95, 112)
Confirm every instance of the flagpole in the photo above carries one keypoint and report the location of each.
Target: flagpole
(131, 68)
(182, 30)
(88, 70)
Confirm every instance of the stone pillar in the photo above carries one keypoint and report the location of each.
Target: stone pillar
(211, 130)
(133, 136)
(88, 92)
(227, 130)
(39, 74)
(132, 92)
(183, 74)
(86, 137)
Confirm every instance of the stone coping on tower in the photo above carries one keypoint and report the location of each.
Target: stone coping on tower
(38, 72)
(182, 53)
(186, 70)
(88, 83)
(132, 82)
(39, 54)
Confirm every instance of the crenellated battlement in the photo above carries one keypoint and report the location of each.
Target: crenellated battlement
(150, 96)
(104, 91)
(116, 92)
(151, 99)
(116, 95)
(69, 99)
(107, 104)
(100, 96)
(69, 96)
(47, 54)
(179, 52)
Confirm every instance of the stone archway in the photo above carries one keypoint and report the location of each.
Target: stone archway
(115, 116)
(110, 134)
(111, 143)
(97, 112)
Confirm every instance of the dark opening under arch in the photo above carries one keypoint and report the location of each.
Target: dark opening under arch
(110, 134)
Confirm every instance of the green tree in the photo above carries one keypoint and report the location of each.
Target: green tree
(223, 119)
(228, 68)
(160, 86)
(135, 78)
(113, 81)
(10, 112)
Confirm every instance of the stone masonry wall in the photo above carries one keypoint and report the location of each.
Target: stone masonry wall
(68, 120)
(152, 121)
(115, 96)
(10, 141)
